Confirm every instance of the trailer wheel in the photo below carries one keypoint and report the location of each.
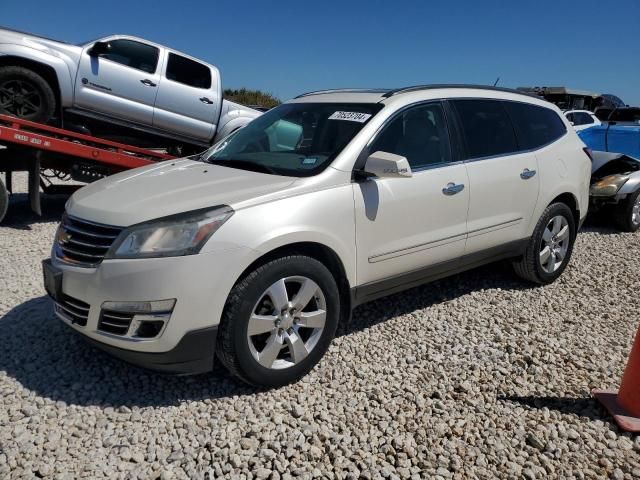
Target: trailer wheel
(25, 94)
(4, 201)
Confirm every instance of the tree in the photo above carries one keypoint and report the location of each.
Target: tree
(248, 97)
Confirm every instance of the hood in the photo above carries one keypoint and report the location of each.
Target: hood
(168, 188)
(43, 44)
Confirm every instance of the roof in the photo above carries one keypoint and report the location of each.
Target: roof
(374, 95)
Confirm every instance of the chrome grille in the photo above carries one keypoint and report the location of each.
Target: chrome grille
(84, 243)
(116, 323)
(73, 310)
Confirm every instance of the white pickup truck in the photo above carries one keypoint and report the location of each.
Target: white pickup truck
(121, 85)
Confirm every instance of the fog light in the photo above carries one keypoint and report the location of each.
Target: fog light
(141, 307)
(147, 328)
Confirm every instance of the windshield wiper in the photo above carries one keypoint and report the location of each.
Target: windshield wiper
(244, 164)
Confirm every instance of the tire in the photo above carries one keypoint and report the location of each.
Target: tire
(267, 357)
(627, 213)
(538, 264)
(4, 201)
(25, 94)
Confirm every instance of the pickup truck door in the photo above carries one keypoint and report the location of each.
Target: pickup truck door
(118, 77)
(189, 98)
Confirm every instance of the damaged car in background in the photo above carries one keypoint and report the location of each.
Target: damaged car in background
(615, 187)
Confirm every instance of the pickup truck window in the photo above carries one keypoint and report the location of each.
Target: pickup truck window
(184, 70)
(294, 139)
(133, 54)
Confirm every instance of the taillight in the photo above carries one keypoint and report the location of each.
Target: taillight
(589, 153)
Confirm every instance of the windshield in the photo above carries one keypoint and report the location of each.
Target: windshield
(294, 139)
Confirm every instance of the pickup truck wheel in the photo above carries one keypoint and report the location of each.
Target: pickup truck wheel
(4, 201)
(25, 94)
(279, 321)
(550, 247)
(627, 214)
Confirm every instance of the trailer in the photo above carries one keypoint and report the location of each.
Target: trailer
(47, 152)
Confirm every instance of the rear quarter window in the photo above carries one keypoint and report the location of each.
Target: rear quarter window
(535, 126)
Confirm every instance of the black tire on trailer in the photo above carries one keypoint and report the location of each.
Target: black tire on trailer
(4, 200)
(25, 94)
(627, 214)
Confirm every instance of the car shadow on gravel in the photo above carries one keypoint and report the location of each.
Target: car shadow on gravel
(47, 358)
(21, 217)
(582, 407)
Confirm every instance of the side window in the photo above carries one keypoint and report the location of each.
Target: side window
(584, 118)
(419, 134)
(133, 54)
(486, 127)
(536, 126)
(571, 117)
(184, 70)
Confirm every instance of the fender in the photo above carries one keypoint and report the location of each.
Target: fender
(631, 185)
(62, 66)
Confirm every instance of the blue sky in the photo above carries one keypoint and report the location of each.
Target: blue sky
(288, 47)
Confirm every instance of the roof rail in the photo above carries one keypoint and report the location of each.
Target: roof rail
(345, 90)
(416, 88)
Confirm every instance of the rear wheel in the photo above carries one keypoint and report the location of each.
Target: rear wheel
(550, 247)
(25, 94)
(627, 214)
(279, 321)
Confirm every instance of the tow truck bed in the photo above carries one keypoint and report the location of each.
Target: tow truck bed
(35, 147)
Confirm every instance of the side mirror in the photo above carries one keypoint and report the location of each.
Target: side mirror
(99, 48)
(572, 124)
(387, 165)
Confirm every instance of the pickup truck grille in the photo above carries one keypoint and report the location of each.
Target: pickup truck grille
(84, 243)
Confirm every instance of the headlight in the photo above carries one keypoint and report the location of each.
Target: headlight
(610, 185)
(182, 234)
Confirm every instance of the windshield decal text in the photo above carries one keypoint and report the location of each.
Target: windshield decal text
(350, 116)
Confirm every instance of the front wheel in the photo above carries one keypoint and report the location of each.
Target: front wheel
(279, 321)
(627, 214)
(550, 247)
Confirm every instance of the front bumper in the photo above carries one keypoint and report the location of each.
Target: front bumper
(199, 284)
(193, 354)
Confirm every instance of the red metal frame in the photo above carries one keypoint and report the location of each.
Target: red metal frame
(44, 137)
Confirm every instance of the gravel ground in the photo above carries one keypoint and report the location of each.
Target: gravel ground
(475, 376)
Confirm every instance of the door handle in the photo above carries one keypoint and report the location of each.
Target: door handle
(205, 100)
(453, 188)
(527, 174)
(147, 82)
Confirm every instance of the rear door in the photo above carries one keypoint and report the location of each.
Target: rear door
(503, 179)
(188, 100)
(122, 83)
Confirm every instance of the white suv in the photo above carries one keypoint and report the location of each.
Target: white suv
(257, 249)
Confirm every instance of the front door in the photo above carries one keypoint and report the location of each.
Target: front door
(121, 82)
(406, 224)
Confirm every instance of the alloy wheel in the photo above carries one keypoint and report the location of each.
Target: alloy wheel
(555, 244)
(20, 98)
(287, 322)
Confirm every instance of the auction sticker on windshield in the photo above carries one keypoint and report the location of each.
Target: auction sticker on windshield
(350, 116)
